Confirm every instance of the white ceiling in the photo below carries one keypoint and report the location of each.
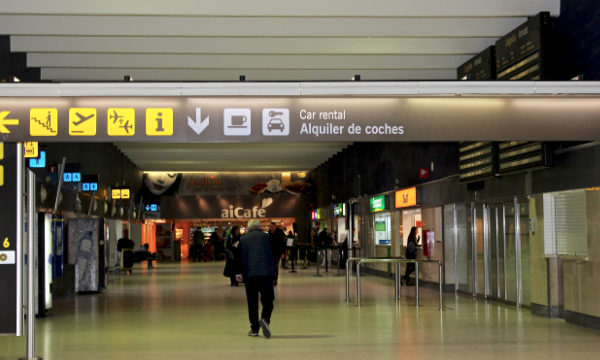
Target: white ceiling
(265, 40)
(237, 157)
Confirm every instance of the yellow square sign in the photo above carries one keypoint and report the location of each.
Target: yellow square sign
(116, 193)
(31, 149)
(1, 175)
(82, 121)
(159, 121)
(121, 122)
(124, 193)
(43, 122)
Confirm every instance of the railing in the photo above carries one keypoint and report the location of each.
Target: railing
(396, 262)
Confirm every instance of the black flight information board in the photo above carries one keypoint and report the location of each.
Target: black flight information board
(520, 54)
(480, 67)
(9, 256)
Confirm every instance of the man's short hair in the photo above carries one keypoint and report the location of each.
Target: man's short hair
(253, 224)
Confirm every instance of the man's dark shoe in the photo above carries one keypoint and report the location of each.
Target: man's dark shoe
(252, 333)
(265, 328)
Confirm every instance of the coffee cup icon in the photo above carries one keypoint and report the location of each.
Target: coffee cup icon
(238, 121)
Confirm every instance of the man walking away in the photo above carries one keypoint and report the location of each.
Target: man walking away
(256, 270)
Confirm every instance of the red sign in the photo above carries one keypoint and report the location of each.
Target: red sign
(423, 173)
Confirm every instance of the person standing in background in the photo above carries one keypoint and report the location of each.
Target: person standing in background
(125, 248)
(256, 268)
(411, 253)
(232, 252)
(277, 240)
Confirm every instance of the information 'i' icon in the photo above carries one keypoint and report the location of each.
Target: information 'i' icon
(159, 121)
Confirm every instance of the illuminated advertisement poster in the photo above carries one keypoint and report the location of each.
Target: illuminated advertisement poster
(406, 198)
(83, 253)
(377, 203)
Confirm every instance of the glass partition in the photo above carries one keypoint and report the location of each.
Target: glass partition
(464, 261)
(525, 253)
(510, 256)
(479, 249)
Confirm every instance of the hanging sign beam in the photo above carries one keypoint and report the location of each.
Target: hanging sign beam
(301, 118)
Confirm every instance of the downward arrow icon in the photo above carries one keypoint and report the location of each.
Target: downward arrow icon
(198, 125)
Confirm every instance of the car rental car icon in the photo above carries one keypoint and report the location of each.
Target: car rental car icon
(275, 123)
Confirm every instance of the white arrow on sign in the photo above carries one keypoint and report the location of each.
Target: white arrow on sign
(198, 125)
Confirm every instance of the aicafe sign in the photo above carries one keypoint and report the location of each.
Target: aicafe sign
(230, 207)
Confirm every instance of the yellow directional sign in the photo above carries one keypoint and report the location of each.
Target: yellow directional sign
(31, 149)
(1, 167)
(82, 121)
(43, 122)
(121, 122)
(159, 121)
(116, 193)
(4, 121)
(124, 193)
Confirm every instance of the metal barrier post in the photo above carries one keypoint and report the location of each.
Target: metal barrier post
(293, 256)
(347, 280)
(326, 260)
(318, 263)
(398, 283)
(339, 260)
(358, 282)
(441, 287)
(417, 282)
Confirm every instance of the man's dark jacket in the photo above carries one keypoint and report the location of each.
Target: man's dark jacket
(256, 256)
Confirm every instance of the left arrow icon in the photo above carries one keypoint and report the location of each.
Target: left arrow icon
(198, 125)
(4, 122)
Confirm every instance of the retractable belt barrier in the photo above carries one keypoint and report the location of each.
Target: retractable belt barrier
(396, 261)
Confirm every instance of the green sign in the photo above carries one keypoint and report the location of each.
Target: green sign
(377, 203)
(379, 225)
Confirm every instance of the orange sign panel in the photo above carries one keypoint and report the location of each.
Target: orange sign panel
(406, 197)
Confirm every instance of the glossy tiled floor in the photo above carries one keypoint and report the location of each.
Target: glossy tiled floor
(191, 312)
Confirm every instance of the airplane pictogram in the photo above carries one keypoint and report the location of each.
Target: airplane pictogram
(126, 126)
(82, 118)
(115, 117)
(121, 119)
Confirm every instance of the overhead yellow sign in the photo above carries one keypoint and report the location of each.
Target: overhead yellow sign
(43, 122)
(116, 193)
(124, 193)
(1, 167)
(82, 121)
(120, 193)
(159, 121)
(121, 122)
(31, 149)
(406, 197)
(4, 121)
